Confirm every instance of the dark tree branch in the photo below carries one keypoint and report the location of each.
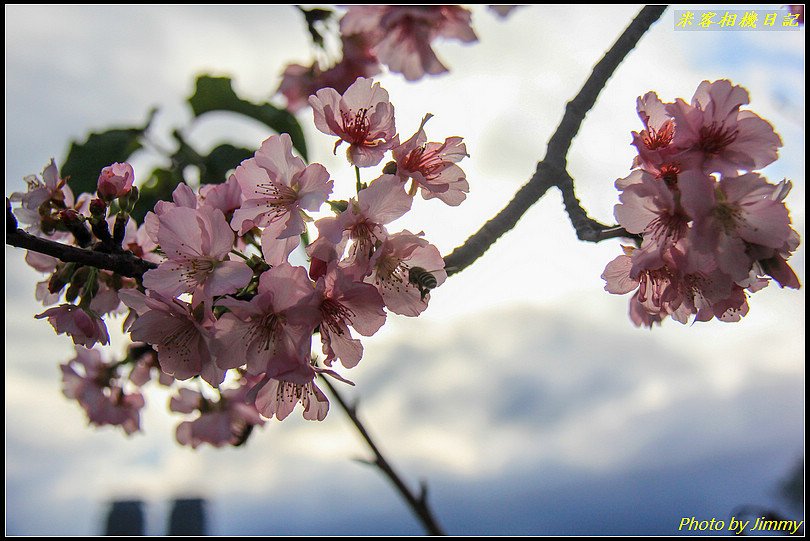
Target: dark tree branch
(417, 503)
(551, 171)
(123, 263)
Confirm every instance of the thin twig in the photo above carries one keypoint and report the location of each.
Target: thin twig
(551, 171)
(418, 504)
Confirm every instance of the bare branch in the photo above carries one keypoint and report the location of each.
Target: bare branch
(123, 263)
(417, 503)
(551, 171)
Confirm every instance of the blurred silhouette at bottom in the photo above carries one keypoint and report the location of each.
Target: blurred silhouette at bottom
(187, 517)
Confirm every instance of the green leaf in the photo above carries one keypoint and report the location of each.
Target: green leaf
(313, 17)
(221, 160)
(85, 160)
(159, 187)
(217, 94)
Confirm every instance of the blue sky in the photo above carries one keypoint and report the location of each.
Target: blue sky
(523, 395)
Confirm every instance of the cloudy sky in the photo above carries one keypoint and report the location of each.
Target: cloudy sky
(524, 395)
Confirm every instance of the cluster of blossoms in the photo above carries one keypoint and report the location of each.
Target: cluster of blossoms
(712, 228)
(226, 302)
(398, 37)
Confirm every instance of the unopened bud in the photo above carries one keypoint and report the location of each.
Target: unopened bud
(98, 208)
(115, 181)
(127, 202)
(70, 216)
(61, 277)
(72, 293)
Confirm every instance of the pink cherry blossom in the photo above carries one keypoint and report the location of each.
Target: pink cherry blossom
(180, 336)
(41, 262)
(278, 398)
(43, 294)
(106, 301)
(226, 196)
(345, 302)
(82, 325)
(47, 264)
(138, 241)
(667, 291)
(654, 143)
(402, 35)
(648, 207)
(197, 243)
(226, 422)
(42, 201)
(731, 215)
(400, 266)
(363, 222)
(115, 181)
(432, 166)
(362, 117)
(299, 82)
(89, 381)
(182, 196)
(277, 188)
(271, 333)
(715, 135)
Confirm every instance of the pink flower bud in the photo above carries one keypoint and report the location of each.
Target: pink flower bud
(115, 180)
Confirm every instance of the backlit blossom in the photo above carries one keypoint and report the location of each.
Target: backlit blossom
(362, 223)
(226, 196)
(83, 326)
(401, 36)
(731, 215)
(654, 142)
(362, 117)
(299, 82)
(277, 188)
(715, 135)
(400, 268)
(345, 302)
(271, 333)
(43, 200)
(432, 166)
(180, 336)
(228, 421)
(668, 292)
(648, 207)
(89, 381)
(196, 243)
(278, 398)
(712, 231)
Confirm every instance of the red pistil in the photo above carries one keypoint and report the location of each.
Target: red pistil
(715, 138)
(356, 128)
(661, 138)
